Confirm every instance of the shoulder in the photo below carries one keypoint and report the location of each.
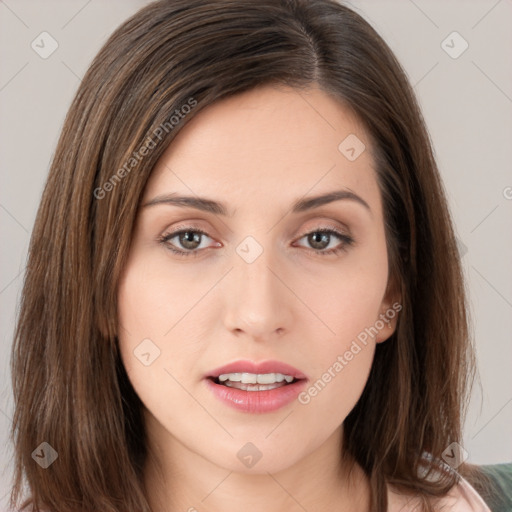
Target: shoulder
(461, 498)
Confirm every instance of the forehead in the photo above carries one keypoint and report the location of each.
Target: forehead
(267, 141)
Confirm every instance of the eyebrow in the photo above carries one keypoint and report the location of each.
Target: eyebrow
(218, 208)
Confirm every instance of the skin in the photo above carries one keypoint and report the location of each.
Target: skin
(257, 152)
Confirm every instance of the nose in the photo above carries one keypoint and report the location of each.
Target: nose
(259, 302)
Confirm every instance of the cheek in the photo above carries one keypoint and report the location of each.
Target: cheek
(157, 300)
(340, 362)
(348, 301)
(160, 309)
(148, 310)
(334, 391)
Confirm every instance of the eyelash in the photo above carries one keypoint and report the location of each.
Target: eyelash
(347, 241)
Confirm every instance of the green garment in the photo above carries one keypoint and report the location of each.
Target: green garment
(501, 475)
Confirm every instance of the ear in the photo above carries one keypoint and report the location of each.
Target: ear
(387, 319)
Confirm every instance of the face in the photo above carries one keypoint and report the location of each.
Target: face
(266, 281)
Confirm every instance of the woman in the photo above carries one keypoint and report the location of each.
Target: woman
(243, 285)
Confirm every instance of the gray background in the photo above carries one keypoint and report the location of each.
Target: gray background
(467, 104)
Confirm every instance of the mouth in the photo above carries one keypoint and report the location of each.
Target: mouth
(254, 382)
(256, 387)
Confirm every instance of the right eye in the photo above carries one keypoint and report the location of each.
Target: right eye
(190, 240)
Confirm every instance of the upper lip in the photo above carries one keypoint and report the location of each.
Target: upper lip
(245, 366)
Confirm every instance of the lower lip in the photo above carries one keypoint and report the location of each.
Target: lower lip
(257, 401)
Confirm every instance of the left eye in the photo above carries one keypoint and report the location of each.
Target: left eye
(318, 238)
(191, 240)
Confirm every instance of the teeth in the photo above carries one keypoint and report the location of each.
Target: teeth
(254, 387)
(253, 378)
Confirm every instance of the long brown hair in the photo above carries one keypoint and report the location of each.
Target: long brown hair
(70, 387)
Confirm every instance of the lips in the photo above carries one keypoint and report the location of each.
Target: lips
(257, 368)
(253, 398)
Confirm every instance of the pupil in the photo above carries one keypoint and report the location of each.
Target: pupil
(317, 244)
(190, 239)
